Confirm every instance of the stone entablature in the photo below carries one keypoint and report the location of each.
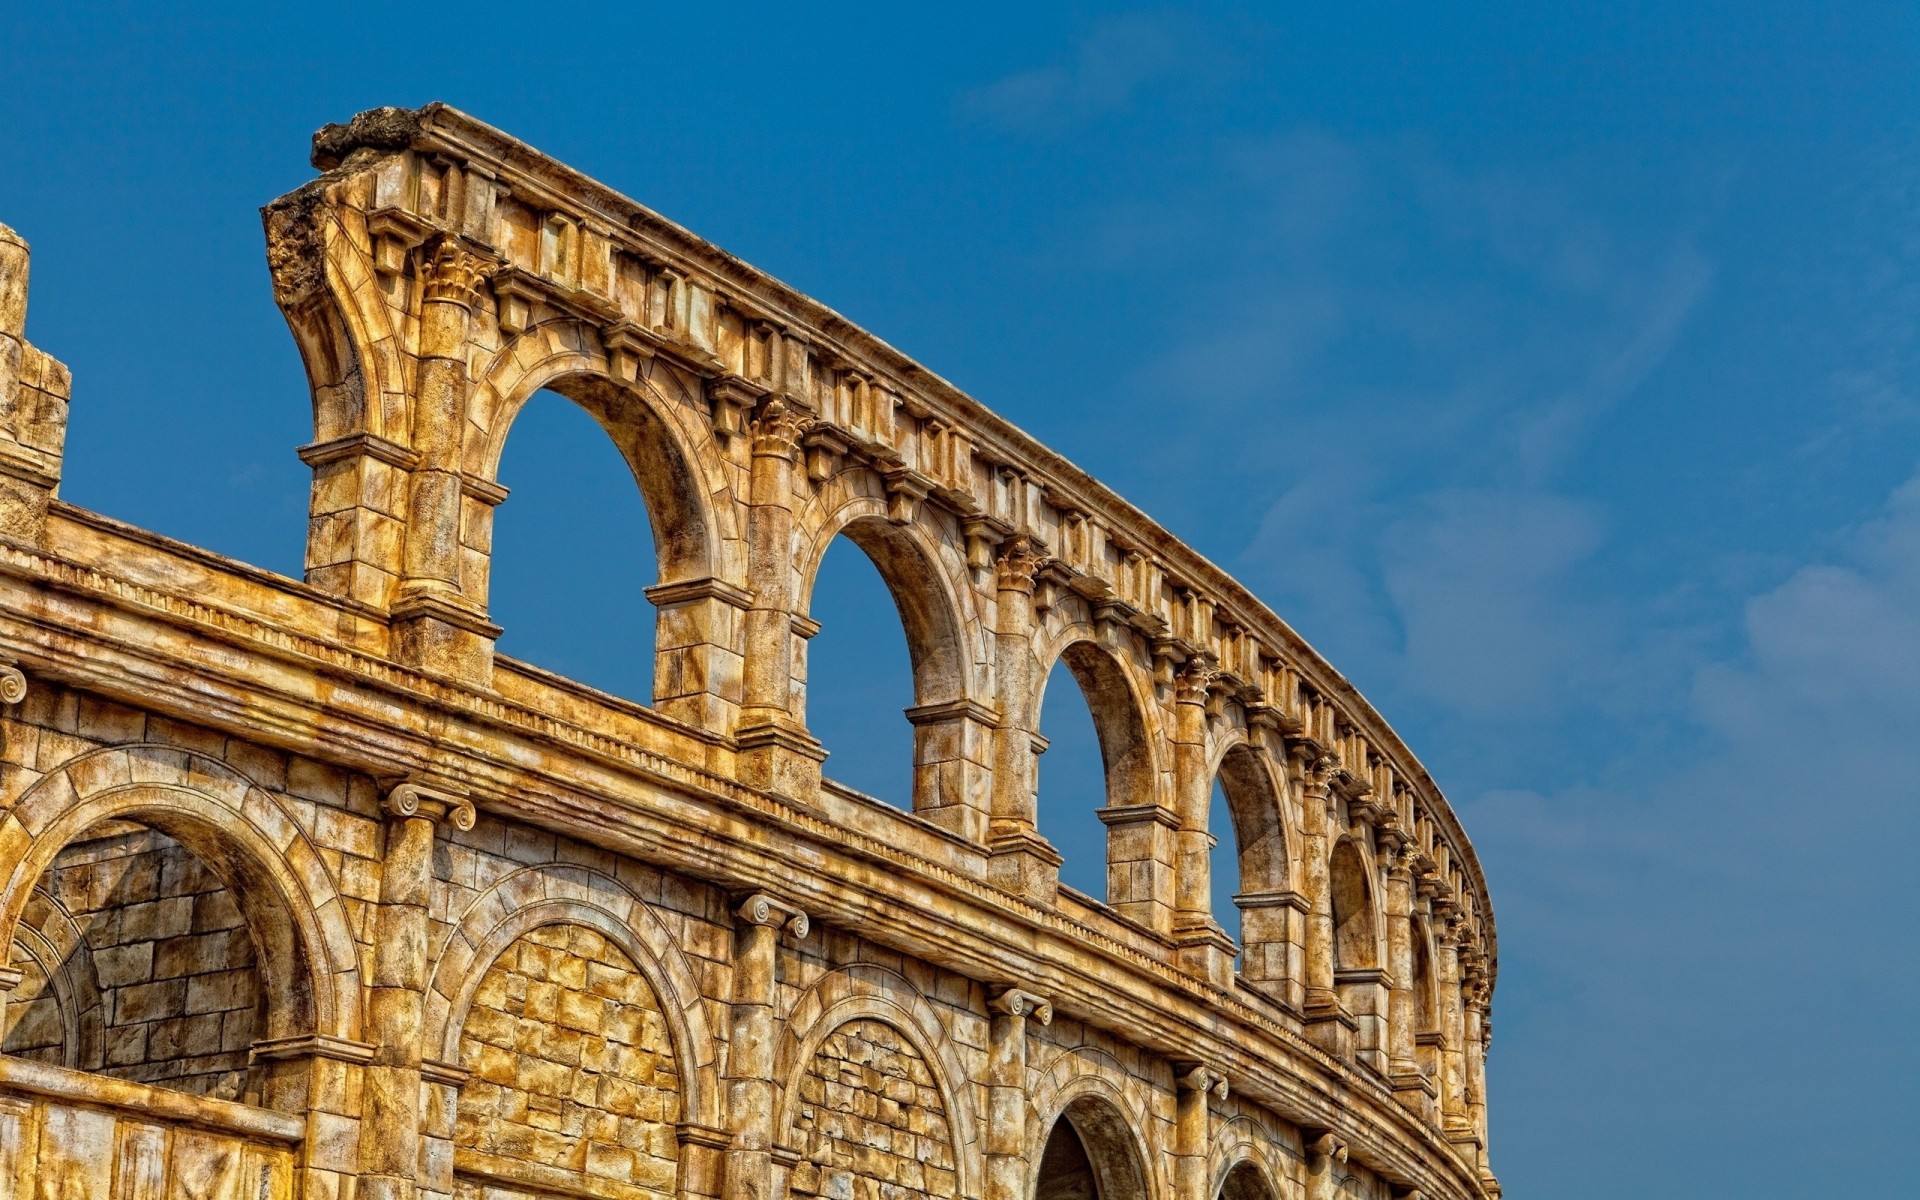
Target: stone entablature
(412, 829)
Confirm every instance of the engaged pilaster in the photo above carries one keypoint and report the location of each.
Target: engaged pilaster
(1203, 947)
(1411, 1086)
(1328, 1022)
(1007, 1090)
(1020, 860)
(759, 923)
(437, 625)
(390, 1131)
(1198, 1087)
(776, 751)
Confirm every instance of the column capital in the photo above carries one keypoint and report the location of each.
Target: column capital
(1017, 564)
(764, 909)
(1203, 1079)
(417, 799)
(777, 428)
(1323, 1146)
(450, 273)
(1017, 1003)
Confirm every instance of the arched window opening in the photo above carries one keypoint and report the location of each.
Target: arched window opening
(1355, 942)
(1249, 860)
(147, 960)
(1223, 864)
(1089, 1156)
(1072, 784)
(860, 677)
(1426, 1003)
(1358, 976)
(1117, 782)
(573, 551)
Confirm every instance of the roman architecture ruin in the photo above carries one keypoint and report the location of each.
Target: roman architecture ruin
(310, 893)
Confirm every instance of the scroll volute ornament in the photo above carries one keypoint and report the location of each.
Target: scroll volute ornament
(1017, 1003)
(414, 799)
(762, 909)
(13, 684)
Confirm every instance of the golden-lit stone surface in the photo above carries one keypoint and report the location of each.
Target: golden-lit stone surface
(309, 893)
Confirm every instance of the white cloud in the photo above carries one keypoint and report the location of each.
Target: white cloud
(1110, 65)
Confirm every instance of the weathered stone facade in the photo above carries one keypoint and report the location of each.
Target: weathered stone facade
(307, 892)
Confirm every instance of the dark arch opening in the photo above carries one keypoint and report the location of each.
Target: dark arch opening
(889, 642)
(573, 550)
(1089, 1156)
(1245, 1182)
(153, 950)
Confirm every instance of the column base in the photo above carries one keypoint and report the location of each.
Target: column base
(1203, 949)
(779, 757)
(1413, 1089)
(446, 634)
(1329, 1025)
(1024, 863)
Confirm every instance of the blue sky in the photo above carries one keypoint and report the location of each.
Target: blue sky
(1552, 368)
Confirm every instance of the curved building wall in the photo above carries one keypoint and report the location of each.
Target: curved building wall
(303, 884)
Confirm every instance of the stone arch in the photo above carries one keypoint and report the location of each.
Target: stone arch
(1358, 959)
(1356, 919)
(676, 469)
(929, 599)
(1426, 1000)
(1256, 805)
(307, 955)
(866, 993)
(1121, 715)
(342, 324)
(56, 950)
(951, 715)
(1243, 1153)
(1086, 1095)
(538, 897)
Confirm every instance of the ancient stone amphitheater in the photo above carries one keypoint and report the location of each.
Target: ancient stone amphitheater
(311, 894)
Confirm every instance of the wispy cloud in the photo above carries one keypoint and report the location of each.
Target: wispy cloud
(1108, 68)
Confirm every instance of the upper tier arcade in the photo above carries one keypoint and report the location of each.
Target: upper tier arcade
(436, 275)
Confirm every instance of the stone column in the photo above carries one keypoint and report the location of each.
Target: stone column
(1410, 1086)
(1202, 946)
(1479, 1031)
(1325, 1153)
(1328, 1023)
(1019, 859)
(1193, 1131)
(34, 392)
(1453, 1102)
(1007, 1091)
(390, 1129)
(750, 1054)
(436, 624)
(776, 751)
